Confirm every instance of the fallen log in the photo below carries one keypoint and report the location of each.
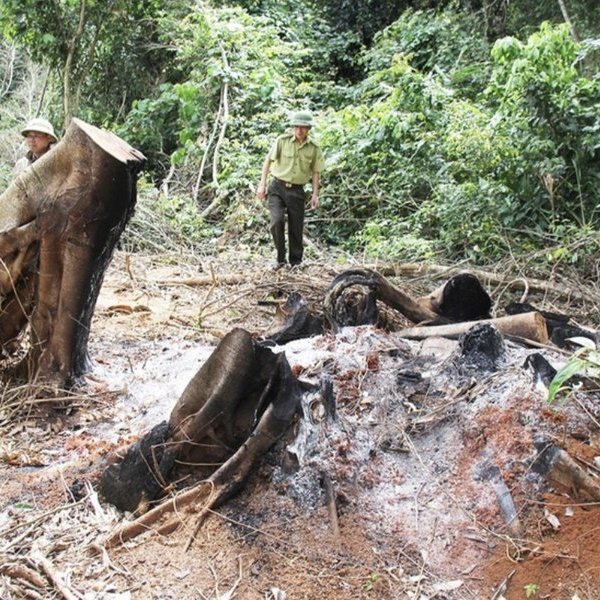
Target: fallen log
(215, 490)
(519, 283)
(298, 322)
(462, 298)
(559, 329)
(20, 571)
(529, 326)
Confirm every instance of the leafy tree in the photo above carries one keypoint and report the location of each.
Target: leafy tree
(500, 18)
(238, 80)
(94, 47)
(464, 174)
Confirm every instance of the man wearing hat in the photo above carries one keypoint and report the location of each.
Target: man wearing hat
(40, 137)
(294, 160)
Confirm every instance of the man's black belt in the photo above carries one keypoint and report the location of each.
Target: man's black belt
(287, 184)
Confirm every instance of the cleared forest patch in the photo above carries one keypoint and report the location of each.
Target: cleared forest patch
(399, 494)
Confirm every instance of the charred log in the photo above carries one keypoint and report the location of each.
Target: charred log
(383, 290)
(143, 473)
(481, 348)
(59, 223)
(561, 336)
(235, 407)
(356, 307)
(543, 372)
(558, 467)
(299, 322)
(461, 298)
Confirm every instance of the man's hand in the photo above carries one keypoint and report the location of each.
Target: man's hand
(314, 201)
(261, 191)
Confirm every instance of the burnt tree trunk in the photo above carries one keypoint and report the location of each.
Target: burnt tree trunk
(59, 223)
(238, 404)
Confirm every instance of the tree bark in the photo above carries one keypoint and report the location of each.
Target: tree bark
(68, 103)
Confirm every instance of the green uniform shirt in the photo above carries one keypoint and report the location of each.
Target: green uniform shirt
(294, 162)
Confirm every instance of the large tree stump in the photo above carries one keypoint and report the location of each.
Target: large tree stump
(59, 223)
(236, 406)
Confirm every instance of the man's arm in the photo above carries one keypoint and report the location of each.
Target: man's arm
(316, 182)
(261, 190)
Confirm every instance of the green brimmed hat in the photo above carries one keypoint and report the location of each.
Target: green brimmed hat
(39, 125)
(302, 118)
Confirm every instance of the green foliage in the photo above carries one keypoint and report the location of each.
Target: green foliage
(531, 589)
(153, 124)
(526, 15)
(442, 42)
(550, 108)
(238, 81)
(366, 17)
(100, 51)
(585, 361)
(468, 174)
(165, 224)
(387, 239)
(435, 145)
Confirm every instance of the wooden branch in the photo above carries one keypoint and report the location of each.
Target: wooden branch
(17, 571)
(567, 18)
(420, 270)
(331, 508)
(54, 577)
(72, 45)
(224, 117)
(211, 139)
(530, 326)
(226, 279)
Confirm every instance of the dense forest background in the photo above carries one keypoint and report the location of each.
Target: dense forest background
(453, 130)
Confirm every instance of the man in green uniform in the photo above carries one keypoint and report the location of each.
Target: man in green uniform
(294, 161)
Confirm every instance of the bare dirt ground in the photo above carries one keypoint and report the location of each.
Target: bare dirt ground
(420, 456)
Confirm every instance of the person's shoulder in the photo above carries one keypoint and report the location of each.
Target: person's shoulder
(285, 137)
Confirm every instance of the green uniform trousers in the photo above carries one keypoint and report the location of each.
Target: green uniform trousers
(287, 200)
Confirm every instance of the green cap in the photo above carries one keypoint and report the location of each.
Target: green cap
(39, 125)
(302, 118)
